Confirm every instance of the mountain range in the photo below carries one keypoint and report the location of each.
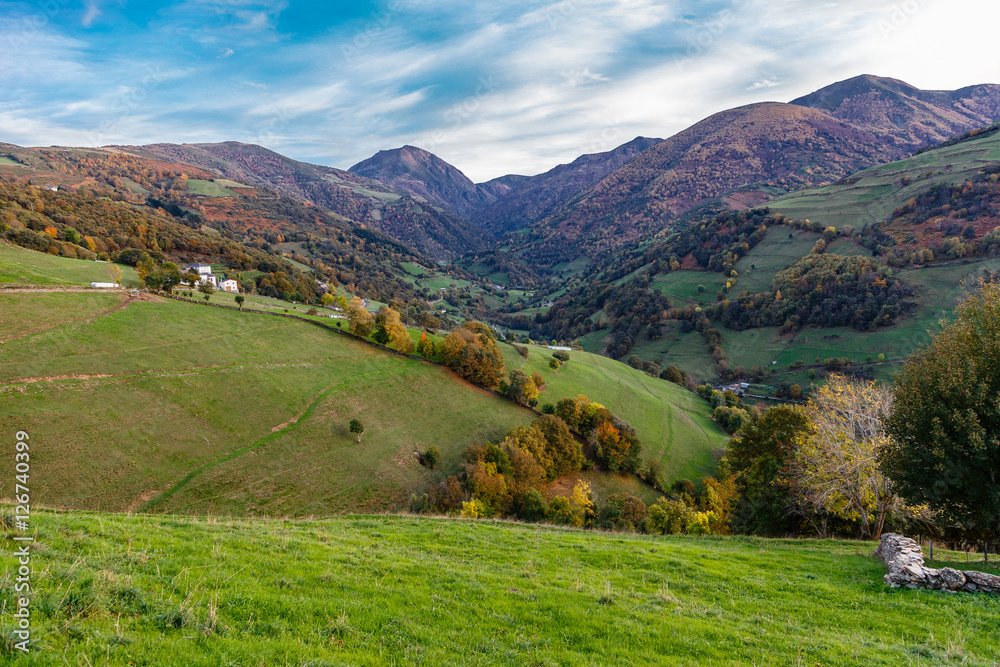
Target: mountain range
(585, 209)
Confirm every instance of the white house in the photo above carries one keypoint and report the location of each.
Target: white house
(229, 285)
(204, 272)
(200, 269)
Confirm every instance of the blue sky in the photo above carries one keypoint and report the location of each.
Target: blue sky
(493, 88)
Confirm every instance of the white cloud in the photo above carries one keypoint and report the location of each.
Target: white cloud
(92, 11)
(494, 88)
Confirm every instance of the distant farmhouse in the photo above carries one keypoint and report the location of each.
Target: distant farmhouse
(205, 275)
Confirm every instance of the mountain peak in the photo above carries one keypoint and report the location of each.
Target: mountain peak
(426, 176)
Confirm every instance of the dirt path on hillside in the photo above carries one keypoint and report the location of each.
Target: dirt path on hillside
(154, 500)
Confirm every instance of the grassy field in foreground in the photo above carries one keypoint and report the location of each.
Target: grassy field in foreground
(673, 423)
(377, 590)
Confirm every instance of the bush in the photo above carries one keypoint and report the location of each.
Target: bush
(732, 418)
(669, 517)
(672, 374)
(561, 355)
(430, 457)
(622, 511)
(531, 506)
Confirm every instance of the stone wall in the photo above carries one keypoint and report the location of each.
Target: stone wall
(905, 561)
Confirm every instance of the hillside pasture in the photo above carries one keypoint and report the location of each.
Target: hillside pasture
(205, 406)
(28, 267)
(873, 194)
(673, 424)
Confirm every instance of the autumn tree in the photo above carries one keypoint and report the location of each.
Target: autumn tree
(360, 320)
(115, 274)
(836, 468)
(563, 449)
(530, 439)
(393, 332)
(473, 353)
(521, 387)
(616, 446)
(945, 420)
(425, 347)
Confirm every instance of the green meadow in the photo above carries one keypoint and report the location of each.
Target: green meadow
(873, 194)
(113, 589)
(673, 424)
(164, 405)
(27, 267)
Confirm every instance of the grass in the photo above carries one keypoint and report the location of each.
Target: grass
(873, 194)
(373, 590)
(23, 316)
(672, 423)
(939, 290)
(214, 188)
(687, 351)
(255, 407)
(681, 287)
(780, 248)
(28, 267)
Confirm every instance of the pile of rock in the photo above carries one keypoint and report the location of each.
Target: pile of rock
(905, 561)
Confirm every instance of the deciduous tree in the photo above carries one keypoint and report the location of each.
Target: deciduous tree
(945, 420)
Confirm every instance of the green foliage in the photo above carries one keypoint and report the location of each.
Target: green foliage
(823, 290)
(672, 374)
(945, 420)
(758, 453)
(430, 457)
(669, 517)
(357, 427)
(532, 506)
(622, 511)
(732, 418)
(521, 388)
(560, 445)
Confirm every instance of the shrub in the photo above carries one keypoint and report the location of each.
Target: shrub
(561, 355)
(672, 374)
(472, 509)
(429, 458)
(669, 517)
(531, 506)
(622, 511)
